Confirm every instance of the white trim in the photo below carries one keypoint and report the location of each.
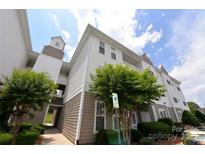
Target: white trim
(162, 110)
(56, 105)
(81, 104)
(46, 113)
(74, 92)
(154, 112)
(95, 111)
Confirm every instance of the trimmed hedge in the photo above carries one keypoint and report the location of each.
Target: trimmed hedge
(189, 118)
(5, 138)
(107, 137)
(146, 141)
(27, 137)
(25, 126)
(136, 135)
(158, 129)
(167, 121)
(39, 128)
(200, 116)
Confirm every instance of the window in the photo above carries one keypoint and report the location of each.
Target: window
(168, 82)
(102, 47)
(99, 116)
(114, 122)
(57, 44)
(162, 113)
(113, 55)
(184, 103)
(178, 89)
(134, 120)
(175, 100)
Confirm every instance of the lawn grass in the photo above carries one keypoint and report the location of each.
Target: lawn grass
(49, 118)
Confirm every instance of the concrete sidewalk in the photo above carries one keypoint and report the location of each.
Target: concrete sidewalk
(53, 137)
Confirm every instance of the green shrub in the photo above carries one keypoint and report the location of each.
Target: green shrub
(27, 137)
(146, 141)
(136, 135)
(25, 126)
(5, 138)
(167, 121)
(107, 137)
(39, 128)
(157, 130)
(200, 116)
(189, 118)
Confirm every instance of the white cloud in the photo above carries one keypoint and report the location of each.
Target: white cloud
(68, 49)
(188, 40)
(119, 24)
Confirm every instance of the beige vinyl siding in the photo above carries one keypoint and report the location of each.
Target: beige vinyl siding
(87, 135)
(71, 111)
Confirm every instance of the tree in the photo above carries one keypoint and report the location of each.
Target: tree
(133, 88)
(193, 106)
(24, 92)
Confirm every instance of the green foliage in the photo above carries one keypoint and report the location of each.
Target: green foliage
(167, 121)
(133, 88)
(200, 116)
(5, 138)
(146, 141)
(107, 137)
(25, 91)
(158, 129)
(39, 128)
(27, 137)
(136, 135)
(25, 126)
(189, 118)
(193, 106)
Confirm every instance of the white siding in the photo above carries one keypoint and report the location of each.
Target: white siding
(97, 59)
(13, 52)
(75, 79)
(48, 64)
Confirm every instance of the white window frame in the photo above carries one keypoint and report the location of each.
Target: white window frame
(101, 46)
(179, 112)
(95, 114)
(162, 110)
(134, 126)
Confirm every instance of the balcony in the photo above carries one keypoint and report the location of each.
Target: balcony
(57, 101)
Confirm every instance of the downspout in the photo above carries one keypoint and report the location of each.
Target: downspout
(81, 104)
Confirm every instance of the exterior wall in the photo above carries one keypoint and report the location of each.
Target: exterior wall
(173, 92)
(75, 80)
(13, 52)
(100, 59)
(62, 79)
(87, 133)
(53, 52)
(60, 120)
(70, 121)
(55, 40)
(87, 126)
(48, 64)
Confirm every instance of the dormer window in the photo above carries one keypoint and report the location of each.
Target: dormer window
(57, 44)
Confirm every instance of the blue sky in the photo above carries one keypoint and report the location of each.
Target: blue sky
(174, 38)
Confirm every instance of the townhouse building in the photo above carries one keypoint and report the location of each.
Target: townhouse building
(77, 114)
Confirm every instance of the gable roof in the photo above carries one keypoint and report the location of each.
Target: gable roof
(146, 58)
(59, 38)
(161, 67)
